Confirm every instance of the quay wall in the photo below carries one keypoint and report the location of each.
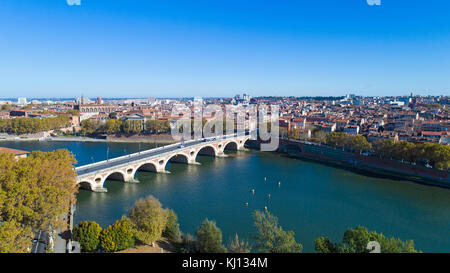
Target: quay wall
(364, 163)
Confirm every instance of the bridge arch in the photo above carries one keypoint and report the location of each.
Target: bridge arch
(116, 175)
(176, 158)
(85, 185)
(146, 167)
(206, 150)
(231, 145)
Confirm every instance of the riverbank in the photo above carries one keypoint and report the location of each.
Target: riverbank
(366, 165)
(159, 139)
(161, 246)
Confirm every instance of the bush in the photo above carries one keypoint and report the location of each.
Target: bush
(87, 234)
(188, 244)
(209, 238)
(149, 219)
(118, 236)
(172, 230)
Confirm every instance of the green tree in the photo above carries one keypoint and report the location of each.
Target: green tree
(360, 144)
(113, 126)
(118, 236)
(36, 191)
(132, 126)
(209, 238)
(238, 246)
(188, 244)
(356, 241)
(89, 127)
(87, 233)
(15, 238)
(271, 237)
(172, 229)
(148, 218)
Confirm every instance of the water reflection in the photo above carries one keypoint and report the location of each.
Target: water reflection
(312, 200)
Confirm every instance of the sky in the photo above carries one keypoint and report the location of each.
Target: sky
(220, 48)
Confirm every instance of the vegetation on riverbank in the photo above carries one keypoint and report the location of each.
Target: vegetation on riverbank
(357, 240)
(35, 192)
(432, 154)
(117, 126)
(27, 125)
(148, 222)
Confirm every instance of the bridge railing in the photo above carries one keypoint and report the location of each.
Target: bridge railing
(80, 168)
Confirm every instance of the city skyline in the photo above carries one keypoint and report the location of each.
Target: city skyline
(204, 49)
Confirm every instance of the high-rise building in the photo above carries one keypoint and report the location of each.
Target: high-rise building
(22, 101)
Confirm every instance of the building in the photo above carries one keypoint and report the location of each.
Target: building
(22, 101)
(17, 153)
(351, 129)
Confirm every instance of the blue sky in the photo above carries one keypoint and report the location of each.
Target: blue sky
(174, 48)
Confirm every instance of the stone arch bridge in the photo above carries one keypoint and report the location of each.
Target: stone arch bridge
(124, 168)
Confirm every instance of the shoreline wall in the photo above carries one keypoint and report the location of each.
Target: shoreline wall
(370, 164)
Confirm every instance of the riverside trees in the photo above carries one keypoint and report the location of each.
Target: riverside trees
(33, 125)
(436, 155)
(209, 238)
(356, 241)
(357, 143)
(149, 219)
(271, 237)
(116, 126)
(34, 193)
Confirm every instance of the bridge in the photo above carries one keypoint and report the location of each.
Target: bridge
(124, 168)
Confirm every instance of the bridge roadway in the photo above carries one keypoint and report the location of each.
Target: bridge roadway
(93, 176)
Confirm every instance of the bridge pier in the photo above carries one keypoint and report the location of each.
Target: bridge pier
(99, 189)
(192, 161)
(221, 154)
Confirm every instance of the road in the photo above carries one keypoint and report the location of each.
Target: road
(144, 154)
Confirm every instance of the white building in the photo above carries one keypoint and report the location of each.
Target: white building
(22, 101)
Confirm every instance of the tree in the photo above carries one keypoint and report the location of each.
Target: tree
(148, 218)
(209, 238)
(113, 126)
(132, 126)
(89, 127)
(360, 144)
(172, 229)
(157, 126)
(356, 241)
(36, 191)
(271, 237)
(237, 246)
(15, 238)
(87, 233)
(188, 244)
(324, 245)
(118, 236)
(336, 139)
(27, 125)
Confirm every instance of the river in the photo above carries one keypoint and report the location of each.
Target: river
(312, 199)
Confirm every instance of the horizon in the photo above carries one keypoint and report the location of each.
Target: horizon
(224, 97)
(215, 49)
